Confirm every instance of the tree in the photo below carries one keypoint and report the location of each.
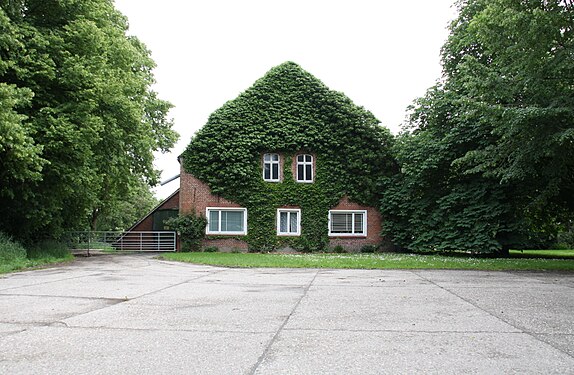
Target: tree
(87, 108)
(489, 162)
(516, 60)
(121, 213)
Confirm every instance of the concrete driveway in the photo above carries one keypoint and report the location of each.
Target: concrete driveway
(138, 315)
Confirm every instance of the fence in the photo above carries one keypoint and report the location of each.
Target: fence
(122, 241)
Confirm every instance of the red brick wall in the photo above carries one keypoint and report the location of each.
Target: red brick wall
(196, 196)
(355, 243)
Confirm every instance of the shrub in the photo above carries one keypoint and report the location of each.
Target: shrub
(10, 250)
(190, 228)
(368, 249)
(48, 249)
(339, 249)
(565, 240)
(210, 249)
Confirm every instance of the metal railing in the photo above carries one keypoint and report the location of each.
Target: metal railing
(107, 241)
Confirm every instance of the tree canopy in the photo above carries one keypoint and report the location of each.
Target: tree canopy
(488, 159)
(79, 119)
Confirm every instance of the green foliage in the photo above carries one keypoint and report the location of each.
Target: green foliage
(210, 249)
(368, 249)
(289, 111)
(10, 250)
(78, 118)
(48, 249)
(120, 213)
(338, 249)
(512, 62)
(490, 160)
(190, 228)
(14, 256)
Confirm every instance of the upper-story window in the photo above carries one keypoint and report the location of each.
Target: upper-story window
(271, 167)
(304, 168)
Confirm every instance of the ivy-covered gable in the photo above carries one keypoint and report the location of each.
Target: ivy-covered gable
(289, 111)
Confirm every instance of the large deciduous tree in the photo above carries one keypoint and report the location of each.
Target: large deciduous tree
(83, 121)
(489, 159)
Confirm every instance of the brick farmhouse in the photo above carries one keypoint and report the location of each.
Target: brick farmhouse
(350, 224)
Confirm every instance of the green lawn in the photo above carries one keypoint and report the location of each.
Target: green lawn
(373, 261)
(556, 254)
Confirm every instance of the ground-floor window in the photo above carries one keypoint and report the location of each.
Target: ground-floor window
(226, 220)
(288, 222)
(347, 223)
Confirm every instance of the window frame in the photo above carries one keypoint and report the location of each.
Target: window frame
(352, 234)
(289, 211)
(304, 164)
(271, 163)
(219, 231)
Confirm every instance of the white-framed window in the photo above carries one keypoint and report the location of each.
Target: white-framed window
(304, 168)
(288, 222)
(226, 220)
(347, 223)
(271, 167)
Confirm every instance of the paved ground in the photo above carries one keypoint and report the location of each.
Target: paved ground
(138, 315)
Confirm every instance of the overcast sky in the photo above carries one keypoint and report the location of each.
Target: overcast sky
(382, 54)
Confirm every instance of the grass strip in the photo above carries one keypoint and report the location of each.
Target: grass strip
(372, 261)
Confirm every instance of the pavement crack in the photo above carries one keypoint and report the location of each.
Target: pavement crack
(516, 326)
(280, 329)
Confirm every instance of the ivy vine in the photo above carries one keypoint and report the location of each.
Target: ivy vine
(289, 111)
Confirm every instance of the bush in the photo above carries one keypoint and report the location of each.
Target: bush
(10, 250)
(210, 249)
(565, 240)
(48, 249)
(190, 228)
(368, 249)
(339, 249)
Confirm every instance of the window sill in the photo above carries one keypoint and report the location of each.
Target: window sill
(348, 236)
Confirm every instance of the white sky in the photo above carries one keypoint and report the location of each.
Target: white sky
(382, 54)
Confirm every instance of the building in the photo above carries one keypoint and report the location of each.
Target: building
(288, 164)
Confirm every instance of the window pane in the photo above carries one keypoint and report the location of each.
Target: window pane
(293, 222)
(308, 174)
(283, 222)
(275, 169)
(299, 172)
(267, 157)
(358, 223)
(231, 221)
(300, 158)
(275, 157)
(213, 221)
(267, 171)
(341, 223)
(308, 158)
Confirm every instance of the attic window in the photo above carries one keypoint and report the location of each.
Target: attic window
(271, 167)
(304, 168)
